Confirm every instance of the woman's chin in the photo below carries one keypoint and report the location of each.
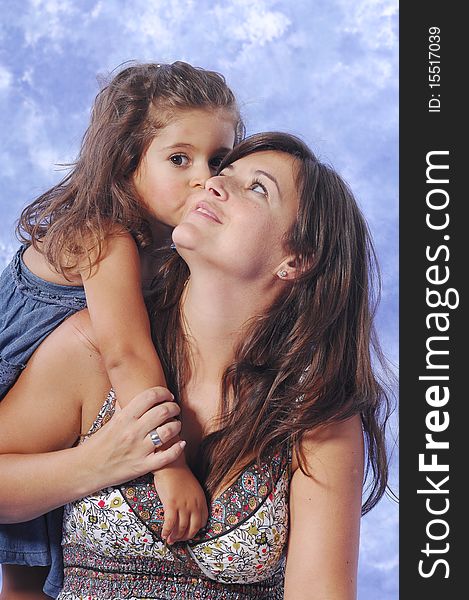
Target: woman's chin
(185, 236)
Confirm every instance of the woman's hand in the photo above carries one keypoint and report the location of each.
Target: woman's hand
(57, 398)
(122, 449)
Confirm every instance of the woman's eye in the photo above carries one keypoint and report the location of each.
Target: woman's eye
(180, 160)
(259, 188)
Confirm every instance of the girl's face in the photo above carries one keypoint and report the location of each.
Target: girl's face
(238, 222)
(181, 157)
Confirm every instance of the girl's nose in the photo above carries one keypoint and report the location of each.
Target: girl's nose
(200, 176)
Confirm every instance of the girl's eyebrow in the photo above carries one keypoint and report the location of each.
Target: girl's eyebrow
(178, 145)
(186, 145)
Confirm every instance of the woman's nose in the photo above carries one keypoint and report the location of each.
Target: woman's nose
(216, 187)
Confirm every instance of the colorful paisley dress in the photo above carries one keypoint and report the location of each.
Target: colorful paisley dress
(112, 546)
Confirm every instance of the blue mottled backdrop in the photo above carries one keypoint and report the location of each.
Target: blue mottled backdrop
(326, 70)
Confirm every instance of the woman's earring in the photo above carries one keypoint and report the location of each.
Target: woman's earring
(282, 274)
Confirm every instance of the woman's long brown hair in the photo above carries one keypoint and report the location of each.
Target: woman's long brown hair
(307, 361)
(75, 216)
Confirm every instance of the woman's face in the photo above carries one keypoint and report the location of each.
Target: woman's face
(239, 220)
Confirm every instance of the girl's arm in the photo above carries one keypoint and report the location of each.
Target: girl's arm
(55, 400)
(122, 330)
(325, 512)
(120, 320)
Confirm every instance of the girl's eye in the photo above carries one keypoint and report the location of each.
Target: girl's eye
(180, 160)
(216, 162)
(259, 188)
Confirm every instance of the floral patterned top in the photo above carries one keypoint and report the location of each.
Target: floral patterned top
(113, 549)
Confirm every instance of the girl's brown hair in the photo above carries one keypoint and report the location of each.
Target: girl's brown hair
(76, 215)
(307, 361)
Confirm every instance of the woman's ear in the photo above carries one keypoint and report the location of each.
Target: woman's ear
(288, 269)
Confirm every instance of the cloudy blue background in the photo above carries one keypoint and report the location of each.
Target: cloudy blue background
(323, 69)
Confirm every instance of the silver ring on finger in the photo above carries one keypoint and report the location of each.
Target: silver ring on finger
(155, 438)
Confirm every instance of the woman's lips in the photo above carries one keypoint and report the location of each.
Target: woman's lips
(205, 210)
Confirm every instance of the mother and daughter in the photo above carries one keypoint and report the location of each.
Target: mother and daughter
(260, 312)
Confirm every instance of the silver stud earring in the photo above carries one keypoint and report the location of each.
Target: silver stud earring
(282, 274)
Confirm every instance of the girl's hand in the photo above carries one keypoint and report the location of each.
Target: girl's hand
(122, 449)
(184, 503)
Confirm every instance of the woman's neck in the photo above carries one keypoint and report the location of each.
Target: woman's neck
(216, 311)
(161, 238)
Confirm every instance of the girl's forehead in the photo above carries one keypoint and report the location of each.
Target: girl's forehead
(196, 114)
(199, 123)
(196, 127)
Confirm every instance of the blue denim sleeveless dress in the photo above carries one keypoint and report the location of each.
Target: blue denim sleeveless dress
(30, 309)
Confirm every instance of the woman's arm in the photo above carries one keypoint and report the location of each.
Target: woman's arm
(56, 399)
(120, 320)
(325, 514)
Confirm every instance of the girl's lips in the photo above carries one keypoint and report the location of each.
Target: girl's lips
(204, 209)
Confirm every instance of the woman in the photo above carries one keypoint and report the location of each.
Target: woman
(263, 325)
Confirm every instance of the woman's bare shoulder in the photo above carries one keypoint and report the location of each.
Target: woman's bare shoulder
(79, 330)
(70, 343)
(343, 439)
(67, 365)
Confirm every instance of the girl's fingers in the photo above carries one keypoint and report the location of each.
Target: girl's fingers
(187, 533)
(170, 524)
(181, 529)
(196, 523)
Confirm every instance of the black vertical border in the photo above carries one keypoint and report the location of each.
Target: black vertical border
(421, 132)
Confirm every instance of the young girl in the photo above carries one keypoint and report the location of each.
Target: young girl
(157, 132)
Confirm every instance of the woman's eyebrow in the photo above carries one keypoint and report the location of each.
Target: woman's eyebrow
(258, 172)
(269, 176)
